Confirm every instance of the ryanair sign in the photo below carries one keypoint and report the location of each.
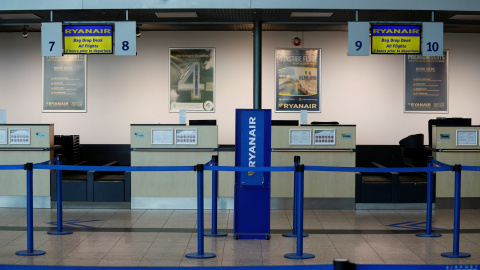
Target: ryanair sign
(252, 145)
(88, 39)
(400, 39)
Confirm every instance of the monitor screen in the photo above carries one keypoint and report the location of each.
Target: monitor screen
(396, 39)
(91, 39)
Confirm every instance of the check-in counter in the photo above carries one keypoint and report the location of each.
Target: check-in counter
(317, 145)
(170, 145)
(457, 145)
(21, 144)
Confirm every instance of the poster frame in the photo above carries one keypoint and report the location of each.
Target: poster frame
(447, 96)
(85, 84)
(207, 104)
(319, 81)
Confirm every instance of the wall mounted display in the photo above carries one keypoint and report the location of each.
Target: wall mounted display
(297, 80)
(426, 83)
(192, 79)
(324, 137)
(300, 137)
(89, 39)
(162, 135)
(186, 136)
(396, 39)
(19, 136)
(467, 137)
(64, 83)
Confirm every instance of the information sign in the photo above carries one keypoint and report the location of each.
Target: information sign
(52, 44)
(126, 38)
(396, 39)
(432, 39)
(88, 39)
(358, 39)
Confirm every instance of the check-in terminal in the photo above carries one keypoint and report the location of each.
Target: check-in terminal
(21, 144)
(457, 145)
(317, 144)
(170, 145)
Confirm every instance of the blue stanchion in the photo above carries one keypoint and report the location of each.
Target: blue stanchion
(200, 254)
(214, 232)
(296, 162)
(29, 251)
(456, 219)
(59, 230)
(299, 209)
(429, 233)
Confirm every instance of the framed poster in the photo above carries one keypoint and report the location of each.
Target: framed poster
(19, 136)
(64, 83)
(324, 137)
(467, 137)
(3, 136)
(426, 83)
(300, 137)
(297, 80)
(186, 136)
(162, 135)
(192, 79)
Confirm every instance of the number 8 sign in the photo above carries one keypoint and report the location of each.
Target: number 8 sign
(125, 38)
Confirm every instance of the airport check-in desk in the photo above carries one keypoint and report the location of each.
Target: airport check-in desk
(21, 144)
(170, 145)
(317, 145)
(457, 145)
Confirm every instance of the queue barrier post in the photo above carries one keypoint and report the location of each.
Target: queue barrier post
(59, 230)
(456, 218)
(200, 254)
(214, 232)
(30, 251)
(299, 209)
(428, 232)
(296, 162)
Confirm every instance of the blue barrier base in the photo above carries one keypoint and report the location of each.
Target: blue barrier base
(59, 233)
(295, 256)
(291, 234)
(424, 234)
(218, 234)
(205, 255)
(453, 255)
(30, 253)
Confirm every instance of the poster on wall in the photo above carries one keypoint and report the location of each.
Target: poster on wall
(426, 83)
(297, 80)
(64, 83)
(192, 79)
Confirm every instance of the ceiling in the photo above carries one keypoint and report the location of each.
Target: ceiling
(238, 19)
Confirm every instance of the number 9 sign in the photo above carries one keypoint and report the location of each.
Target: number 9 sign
(358, 39)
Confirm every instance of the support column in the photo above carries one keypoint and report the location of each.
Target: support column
(257, 65)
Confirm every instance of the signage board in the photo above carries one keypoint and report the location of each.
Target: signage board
(396, 39)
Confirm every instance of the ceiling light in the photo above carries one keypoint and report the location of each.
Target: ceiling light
(466, 17)
(311, 14)
(18, 16)
(176, 14)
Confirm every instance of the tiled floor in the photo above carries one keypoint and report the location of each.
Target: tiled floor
(122, 237)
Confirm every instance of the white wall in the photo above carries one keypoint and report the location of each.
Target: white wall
(121, 90)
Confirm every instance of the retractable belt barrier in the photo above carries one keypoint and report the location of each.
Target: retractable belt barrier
(212, 165)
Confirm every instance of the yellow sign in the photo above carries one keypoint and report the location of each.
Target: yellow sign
(88, 39)
(395, 39)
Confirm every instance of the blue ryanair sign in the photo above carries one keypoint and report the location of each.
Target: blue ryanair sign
(252, 144)
(252, 188)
